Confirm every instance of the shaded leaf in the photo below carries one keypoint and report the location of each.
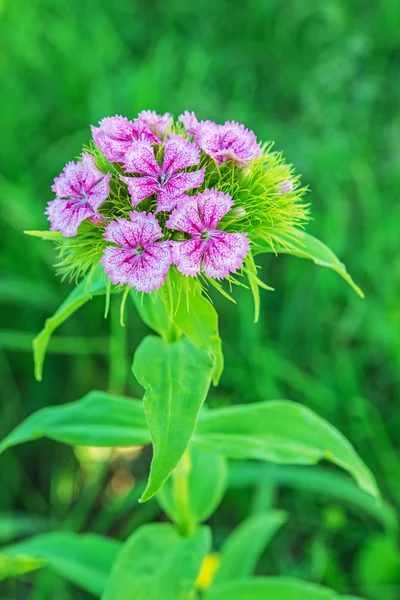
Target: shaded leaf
(176, 378)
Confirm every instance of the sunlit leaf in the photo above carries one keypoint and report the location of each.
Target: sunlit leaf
(243, 548)
(176, 378)
(93, 285)
(99, 419)
(304, 245)
(156, 563)
(283, 432)
(85, 560)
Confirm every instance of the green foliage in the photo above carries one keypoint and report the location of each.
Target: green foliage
(176, 378)
(84, 560)
(155, 562)
(198, 496)
(243, 548)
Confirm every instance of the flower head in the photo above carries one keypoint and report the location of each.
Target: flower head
(169, 181)
(80, 190)
(138, 260)
(189, 121)
(158, 124)
(115, 136)
(285, 187)
(228, 142)
(217, 253)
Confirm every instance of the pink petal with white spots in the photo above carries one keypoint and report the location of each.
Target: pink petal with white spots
(213, 205)
(140, 187)
(224, 253)
(179, 154)
(140, 230)
(145, 272)
(140, 159)
(158, 124)
(66, 216)
(187, 256)
(186, 217)
(207, 137)
(99, 192)
(176, 186)
(115, 135)
(189, 121)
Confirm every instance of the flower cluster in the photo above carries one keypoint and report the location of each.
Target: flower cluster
(152, 193)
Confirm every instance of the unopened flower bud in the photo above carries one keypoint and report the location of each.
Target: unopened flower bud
(285, 187)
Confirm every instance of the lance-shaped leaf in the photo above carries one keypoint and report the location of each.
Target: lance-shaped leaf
(272, 588)
(85, 560)
(243, 548)
(93, 285)
(180, 307)
(283, 432)
(99, 419)
(156, 563)
(176, 378)
(301, 244)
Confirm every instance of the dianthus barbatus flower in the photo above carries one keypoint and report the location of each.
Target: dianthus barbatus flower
(139, 260)
(158, 124)
(189, 121)
(217, 253)
(115, 136)
(168, 181)
(80, 191)
(230, 141)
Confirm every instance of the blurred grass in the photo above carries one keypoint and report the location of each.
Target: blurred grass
(322, 80)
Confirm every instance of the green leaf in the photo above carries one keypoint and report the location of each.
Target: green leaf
(93, 285)
(206, 476)
(271, 588)
(85, 560)
(11, 567)
(243, 548)
(301, 244)
(156, 562)
(176, 378)
(99, 419)
(16, 524)
(178, 308)
(283, 432)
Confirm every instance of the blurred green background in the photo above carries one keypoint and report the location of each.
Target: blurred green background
(321, 79)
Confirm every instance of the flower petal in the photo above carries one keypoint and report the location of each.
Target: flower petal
(176, 186)
(140, 159)
(115, 135)
(213, 205)
(145, 272)
(189, 121)
(158, 124)
(140, 187)
(179, 154)
(186, 217)
(99, 192)
(187, 256)
(141, 230)
(207, 137)
(224, 253)
(66, 216)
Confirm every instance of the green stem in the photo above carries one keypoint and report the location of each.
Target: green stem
(118, 369)
(181, 495)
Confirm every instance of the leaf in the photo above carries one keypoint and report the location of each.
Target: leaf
(271, 588)
(99, 419)
(206, 480)
(176, 378)
(156, 562)
(283, 432)
(93, 285)
(243, 548)
(45, 235)
(16, 524)
(11, 567)
(180, 308)
(301, 244)
(85, 560)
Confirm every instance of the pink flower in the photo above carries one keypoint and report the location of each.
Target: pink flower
(80, 190)
(139, 260)
(215, 252)
(169, 181)
(230, 141)
(285, 187)
(189, 121)
(116, 135)
(158, 124)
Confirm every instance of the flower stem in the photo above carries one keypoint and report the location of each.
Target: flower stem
(181, 495)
